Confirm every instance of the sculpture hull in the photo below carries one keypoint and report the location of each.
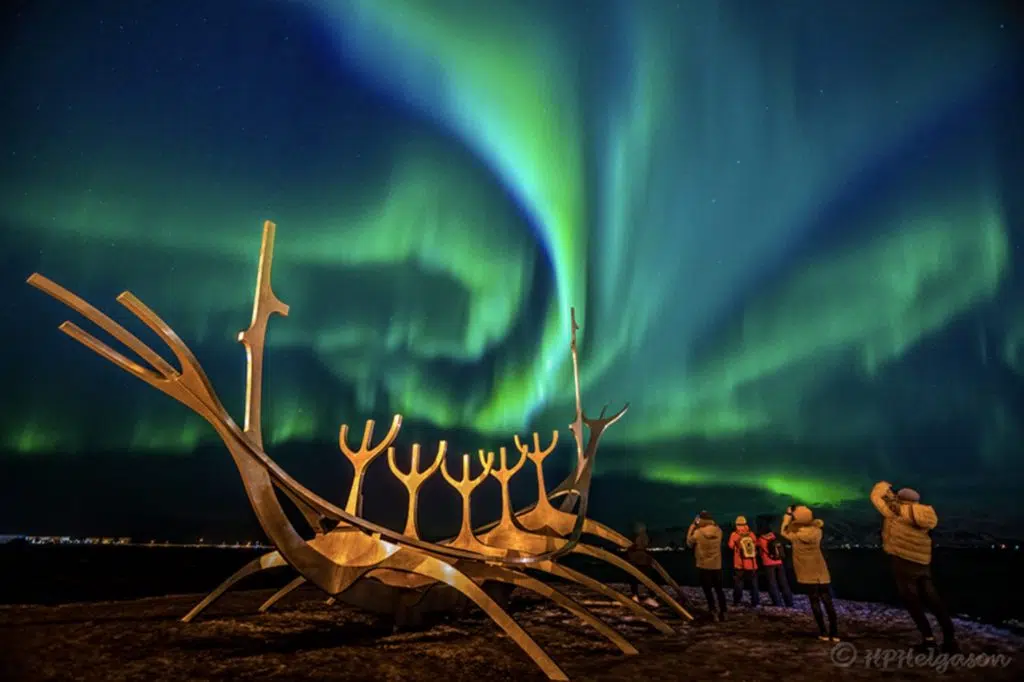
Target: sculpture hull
(417, 609)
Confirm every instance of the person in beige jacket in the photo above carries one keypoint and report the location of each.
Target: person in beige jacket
(804, 532)
(906, 524)
(705, 537)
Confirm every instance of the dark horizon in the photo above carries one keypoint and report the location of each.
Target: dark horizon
(182, 497)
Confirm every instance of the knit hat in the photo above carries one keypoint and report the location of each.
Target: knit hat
(741, 520)
(802, 515)
(705, 515)
(908, 495)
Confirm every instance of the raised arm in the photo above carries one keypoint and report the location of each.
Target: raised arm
(787, 519)
(691, 535)
(878, 498)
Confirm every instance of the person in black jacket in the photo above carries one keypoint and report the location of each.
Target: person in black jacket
(638, 556)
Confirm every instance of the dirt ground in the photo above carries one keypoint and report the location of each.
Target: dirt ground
(305, 640)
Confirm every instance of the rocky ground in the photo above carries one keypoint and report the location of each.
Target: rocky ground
(305, 640)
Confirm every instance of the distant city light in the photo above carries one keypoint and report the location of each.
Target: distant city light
(125, 542)
(846, 541)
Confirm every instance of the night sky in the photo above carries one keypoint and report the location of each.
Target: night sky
(791, 232)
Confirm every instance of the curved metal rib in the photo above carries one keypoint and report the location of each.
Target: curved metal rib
(541, 515)
(434, 568)
(282, 593)
(263, 563)
(567, 573)
(618, 562)
(480, 573)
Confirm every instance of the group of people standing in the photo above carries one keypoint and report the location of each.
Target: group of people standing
(905, 538)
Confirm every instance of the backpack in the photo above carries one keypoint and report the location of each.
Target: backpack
(775, 550)
(747, 547)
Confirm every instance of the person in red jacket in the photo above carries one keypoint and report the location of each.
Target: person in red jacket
(772, 552)
(743, 544)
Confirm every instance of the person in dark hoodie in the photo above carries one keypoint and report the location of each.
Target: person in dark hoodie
(804, 531)
(743, 544)
(905, 538)
(638, 556)
(772, 553)
(705, 537)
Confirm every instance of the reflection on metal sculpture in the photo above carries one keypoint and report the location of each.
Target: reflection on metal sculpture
(345, 547)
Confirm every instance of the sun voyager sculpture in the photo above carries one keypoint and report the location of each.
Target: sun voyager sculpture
(345, 548)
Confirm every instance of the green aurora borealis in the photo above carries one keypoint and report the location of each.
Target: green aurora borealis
(777, 225)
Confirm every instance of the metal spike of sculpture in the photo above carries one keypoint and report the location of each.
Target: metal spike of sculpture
(347, 548)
